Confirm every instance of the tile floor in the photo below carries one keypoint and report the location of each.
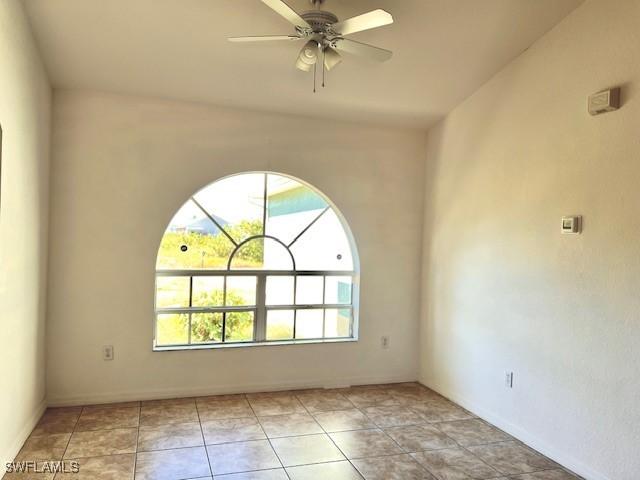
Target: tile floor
(377, 432)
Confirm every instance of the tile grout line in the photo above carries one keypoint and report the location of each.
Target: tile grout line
(395, 396)
(331, 439)
(267, 436)
(452, 439)
(204, 441)
(75, 425)
(398, 444)
(290, 436)
(135, 454)
(464, 448)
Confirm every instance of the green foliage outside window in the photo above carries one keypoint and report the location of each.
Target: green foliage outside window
(207, 252)
(211, 251)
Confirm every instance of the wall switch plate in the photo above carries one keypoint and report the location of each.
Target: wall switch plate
(571, 225)
(605, 101)
(508, 379)
(384, 342)
(107, 352)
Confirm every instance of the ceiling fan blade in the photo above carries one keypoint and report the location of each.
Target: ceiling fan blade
(287, 12)
(331, 58)
(362, 49)
(366, 21)
(266, 38)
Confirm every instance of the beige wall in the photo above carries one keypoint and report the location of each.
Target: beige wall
(122, 166)
(503, 289)
(24, 115)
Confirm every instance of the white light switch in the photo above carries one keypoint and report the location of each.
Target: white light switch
(571, 225)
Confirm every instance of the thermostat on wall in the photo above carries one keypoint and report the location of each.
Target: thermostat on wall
(606, 101)
(571, 225)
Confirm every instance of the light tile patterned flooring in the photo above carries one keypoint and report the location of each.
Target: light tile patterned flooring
(377, 432)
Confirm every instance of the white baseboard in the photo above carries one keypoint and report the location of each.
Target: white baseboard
(24, 433)
(560, 457)
(127, 396)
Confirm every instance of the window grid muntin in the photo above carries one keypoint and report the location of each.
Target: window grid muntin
(260, 317)
(260, 309)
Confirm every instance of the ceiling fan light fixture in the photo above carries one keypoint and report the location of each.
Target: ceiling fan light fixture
(324, 34)
(331, 58)
(308, 56)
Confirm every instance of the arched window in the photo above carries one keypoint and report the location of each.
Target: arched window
(255, 258)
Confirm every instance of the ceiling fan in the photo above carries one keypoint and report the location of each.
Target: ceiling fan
(324, 35)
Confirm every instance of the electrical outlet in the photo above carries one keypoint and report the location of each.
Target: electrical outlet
(384, 342)
(107, 352)
(508, 379)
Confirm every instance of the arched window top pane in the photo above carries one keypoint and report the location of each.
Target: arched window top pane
(262, 254)
(221, 217)
(255, 258)
(193, 241)
(238, 203)
(324, 246)
(291, 207)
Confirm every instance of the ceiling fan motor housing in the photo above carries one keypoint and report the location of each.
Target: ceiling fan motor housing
(319, 19)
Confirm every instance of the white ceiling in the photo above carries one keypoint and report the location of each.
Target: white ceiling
(443, 51)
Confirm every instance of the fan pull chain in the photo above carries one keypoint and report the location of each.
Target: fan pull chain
(315, 70)
(324, 56)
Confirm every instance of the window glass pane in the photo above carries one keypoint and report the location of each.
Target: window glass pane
(249, 256)
(268, 222)
(276, 256)
(239, 327)
(172, 329)
(241, 291)
(238, 202)
(280, 324)
(309, 323)
(172, 292)
(324, 246)
(280, 290)
(338, 290)
(193, 241)
(291, 207)
(208, 291)
(206, 327)
(262, 254)
(309, 290)
(337, 323)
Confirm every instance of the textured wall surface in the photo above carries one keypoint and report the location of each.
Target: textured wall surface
(122, 166)
(25, 98)
(502, 288)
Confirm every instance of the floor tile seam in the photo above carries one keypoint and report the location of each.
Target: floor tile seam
(514, 476)
(400, 446)
(268, 440)
(204, 442)
(342, 395)
(402, 449)
(135, 455)
(333, 441)
(338, 447)
(71, 436)
(520, 444)
(119, 427)
(482, 460)
(463, 447)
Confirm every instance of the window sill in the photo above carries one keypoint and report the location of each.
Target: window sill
(173, 348)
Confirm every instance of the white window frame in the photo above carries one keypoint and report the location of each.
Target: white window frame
(260, 309)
